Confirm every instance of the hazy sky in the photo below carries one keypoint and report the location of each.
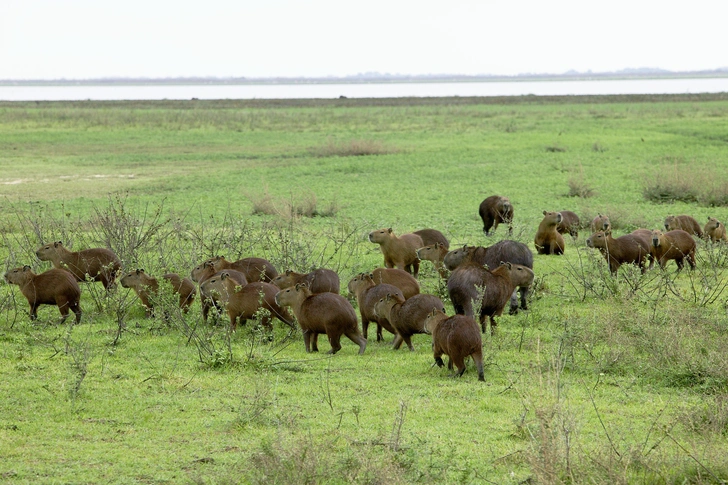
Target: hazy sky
(50, 39)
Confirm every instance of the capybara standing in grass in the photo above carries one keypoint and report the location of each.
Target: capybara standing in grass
(254, 269)
(432, 236)
(714, 230)
(205, 271)
(407, 316)
(600, 223)
(494, 210)
(677, 245)
(399, 278)
(684, 222)
(569, 224)
(399, 252)
(367, 293)
(435, 253)
(458, 338)
(622, 250)
(53, 287)
(548, 240)
(143, 285)
(100, 264)
(184, 287)
(318, 280)
(328, 313)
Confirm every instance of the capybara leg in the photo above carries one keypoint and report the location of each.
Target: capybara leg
(63, 308)
(493, 324)
(416, 268)
(335, 341)
(355, 337)
(314, 342)
(482, 322)
(408, 341)
(524, 295)
(514, 303)
(460, 364)
(77, 310)
(33, 312)
(364, 327)
(478, 359)
(449, 363)
(397, 343)
(679, 263)
(380, 337)
(233, 321)
(307, 340)
(438, 360)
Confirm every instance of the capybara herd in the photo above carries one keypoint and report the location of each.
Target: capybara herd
(480, 280)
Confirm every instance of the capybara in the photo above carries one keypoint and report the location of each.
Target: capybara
(714, 230)
(569, 224)
(205, 271)
(457, 337)
(548, 240)
(435, 253)
(407, 316)
(399, 252)
(254, 269)
(622, 250)
(646, 236)
(677, 245)
(684, 222)
(184, 287)
(469, 280)
(367, 293)
(399, 278)
(328, 313)
(53, 287)
(143, 285)
(432, 236)
(600, 223)
(245, 302)
(100, 264)
(318, 280)
(505, 251)
(494, 210)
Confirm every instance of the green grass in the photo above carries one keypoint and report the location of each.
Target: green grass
(601, 381)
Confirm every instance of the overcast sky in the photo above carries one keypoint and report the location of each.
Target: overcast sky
(79, 39)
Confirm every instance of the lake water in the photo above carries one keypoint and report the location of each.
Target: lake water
(364, 90)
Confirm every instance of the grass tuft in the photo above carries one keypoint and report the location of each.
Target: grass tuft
(352, 148)
(681, 181)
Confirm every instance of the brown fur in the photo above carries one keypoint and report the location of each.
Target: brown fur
(435, 253)
(205, 271)
(367, 293)
(548, 240)
(677, 245)
(432, 236)
(714, 231)
(407, 316)
(569, 224)
(143, 285)
(318, 313)
(318, 281)
(457, 337)
(399, 252)
(600, 223)
(646, 236)
(684, 222)
(254, 269)
(100, 264)
(622, 250)
(184, 288)
(396, 277)
(244, 302)
(53, 287)
(494, 210)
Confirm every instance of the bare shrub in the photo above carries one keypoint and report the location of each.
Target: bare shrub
(352, 148)
(579, 188)
(680, 181)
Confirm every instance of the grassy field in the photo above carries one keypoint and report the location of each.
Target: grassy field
(602, 380)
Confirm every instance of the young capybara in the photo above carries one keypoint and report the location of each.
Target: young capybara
(685, 223)
(100, 264)
(53, 287)
(143, 285)
(318, 280)
(399, 278)
(399, 252)
(494, 210)
(714, 231)
(245, 302)
(622, 250)
(548, 240)
(184, 287)
(569, 224)
(677, 245)
(203, 272)
(432, 236)
(435, 253)
(457, 337)
(600, 223)
(254, 269)
(367, 293)
(407, 316)
(328, 313)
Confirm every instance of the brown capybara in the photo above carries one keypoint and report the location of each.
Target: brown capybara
(627, 249)
(569, 224)
(407, 316)
(245, 302)
(254, 269)
(318, 280)
(600, 223)
(399, 252)
(184, 287)
(367, 293)
(494, 210)
(505, 251)
(143, 285)
(470, 280)
(328, 313)
(432, 236)
(685, 223)
(548, 240)
(53, 287)
(457, 337)
(100, 264)
(435, 253)
(205, 271)
(714, 231)
(396, 277)
(646, 236)
(677, 245)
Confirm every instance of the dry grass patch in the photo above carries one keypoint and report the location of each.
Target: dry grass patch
(687, 182)
(352, 148)
(297, 205)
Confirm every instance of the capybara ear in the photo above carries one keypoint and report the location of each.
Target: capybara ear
(288, 272)
(371, 275)
(389, 230)
(57, 243)
(26, 267)
(544, 212)
(608, 232)
(224, 275)
(709, 218)
(139, 271)
(510, 266)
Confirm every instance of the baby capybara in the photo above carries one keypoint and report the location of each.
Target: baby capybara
(399, 278)
(203, 272)
(684, 222)
(328, 313)
(367, 293)
(407, 316)
(254, 269)
(319, 280)
(184, 288)
(495, 210)
(622, 250)
(600, 223)
(457, 337)
(569, 224)
(714, 230)
(53, 287)
(143, 285)
(677, 245)
(100, 264)
(548, 240)
(399, 252)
